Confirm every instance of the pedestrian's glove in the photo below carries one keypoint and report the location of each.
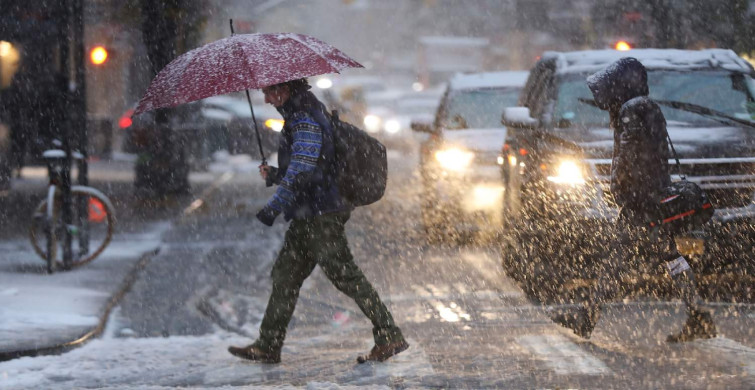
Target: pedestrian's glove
(272, 177)
(267, 215)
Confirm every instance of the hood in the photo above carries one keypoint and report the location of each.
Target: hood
(300, 101)
(618, 83)
(689, 141)
(482, 141)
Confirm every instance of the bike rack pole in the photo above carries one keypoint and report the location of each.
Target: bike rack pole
(81, 122)
(67, 204)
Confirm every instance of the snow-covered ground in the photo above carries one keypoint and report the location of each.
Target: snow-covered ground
(37, 309)
(203, 361)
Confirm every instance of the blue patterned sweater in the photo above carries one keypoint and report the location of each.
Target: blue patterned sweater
(306, 184)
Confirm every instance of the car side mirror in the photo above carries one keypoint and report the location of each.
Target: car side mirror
(422, 126)
(563, 123)
(518, 117)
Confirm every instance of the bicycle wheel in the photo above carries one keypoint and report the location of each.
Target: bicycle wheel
(47, 231)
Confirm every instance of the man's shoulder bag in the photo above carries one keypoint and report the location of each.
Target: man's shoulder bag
(682, 206)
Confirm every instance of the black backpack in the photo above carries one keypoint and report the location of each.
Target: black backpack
(683, 205)
(361, 163)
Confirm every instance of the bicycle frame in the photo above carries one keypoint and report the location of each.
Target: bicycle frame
(59, 172)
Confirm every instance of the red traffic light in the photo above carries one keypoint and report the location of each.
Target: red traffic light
(98, 55)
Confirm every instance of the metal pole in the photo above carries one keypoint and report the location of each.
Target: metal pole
(80, 124)
(65, 188)
(254, 119)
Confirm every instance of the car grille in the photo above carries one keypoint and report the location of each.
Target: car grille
(694, 169)
(729, 183)
(730, 197)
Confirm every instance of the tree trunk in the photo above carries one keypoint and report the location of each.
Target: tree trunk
(162, 168)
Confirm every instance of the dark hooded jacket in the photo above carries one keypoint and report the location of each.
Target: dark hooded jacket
(639, 170)
(307, 181)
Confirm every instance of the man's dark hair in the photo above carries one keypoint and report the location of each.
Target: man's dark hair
(297, 86)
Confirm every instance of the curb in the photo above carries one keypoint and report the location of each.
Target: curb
(95, 331)
(124, 288)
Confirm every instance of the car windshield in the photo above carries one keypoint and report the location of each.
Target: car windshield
(729, 93)
(424, 106)
(477, 108)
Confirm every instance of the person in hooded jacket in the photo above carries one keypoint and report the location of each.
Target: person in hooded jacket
(639, 173)
(307, 195)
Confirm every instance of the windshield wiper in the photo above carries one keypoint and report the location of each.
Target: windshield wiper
(693, 108)
(709, 112)
(589, 102)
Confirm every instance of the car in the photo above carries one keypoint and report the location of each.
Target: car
(461, 187)
(557, 162)
(209, 125)
(240, 127)
(346, 94)
(389, 115)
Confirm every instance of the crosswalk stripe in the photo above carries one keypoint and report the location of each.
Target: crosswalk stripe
(732, 351)
(563, 356)
(492, 273)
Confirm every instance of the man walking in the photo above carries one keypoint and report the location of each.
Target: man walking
(639, 172)
(307, 195)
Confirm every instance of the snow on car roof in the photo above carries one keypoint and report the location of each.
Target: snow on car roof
(488, 80)
(672, 59)
(240, 107)
(454, 41)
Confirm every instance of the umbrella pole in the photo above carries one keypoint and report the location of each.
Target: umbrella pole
(256, 131)
(254, 120)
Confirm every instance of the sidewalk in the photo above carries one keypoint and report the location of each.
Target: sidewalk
(42, 313)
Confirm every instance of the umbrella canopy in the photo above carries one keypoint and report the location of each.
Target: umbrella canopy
(240, 62)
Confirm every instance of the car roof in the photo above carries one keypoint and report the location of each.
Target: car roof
(240, 107)
(488, 80)
(671, 59)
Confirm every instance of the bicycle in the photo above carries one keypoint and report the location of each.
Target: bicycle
(92, 220)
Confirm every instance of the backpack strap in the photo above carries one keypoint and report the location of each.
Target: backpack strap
(678, 164)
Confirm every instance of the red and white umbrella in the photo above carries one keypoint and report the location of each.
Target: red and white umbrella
(241, 62)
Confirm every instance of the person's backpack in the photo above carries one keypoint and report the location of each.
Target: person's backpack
(361, 163)
(683, 205)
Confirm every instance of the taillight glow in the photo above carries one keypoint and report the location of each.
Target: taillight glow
(125, 121)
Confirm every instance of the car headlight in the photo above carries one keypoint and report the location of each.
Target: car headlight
(568, 172)
(324, 83)
(372, 123)
(454, 159)
(275, 124)
(392, 126)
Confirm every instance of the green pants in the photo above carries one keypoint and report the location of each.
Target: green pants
(320, 240)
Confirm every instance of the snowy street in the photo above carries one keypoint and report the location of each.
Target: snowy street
(377, 194)
(469, 325)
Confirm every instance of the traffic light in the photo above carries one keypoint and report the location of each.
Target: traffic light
(622, 46)
(98, 55)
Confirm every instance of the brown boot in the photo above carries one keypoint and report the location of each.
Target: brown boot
(381, 353)
(581, 322)
(253, 352)
(699, 325)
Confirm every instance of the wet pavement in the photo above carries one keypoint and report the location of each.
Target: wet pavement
(469, 324)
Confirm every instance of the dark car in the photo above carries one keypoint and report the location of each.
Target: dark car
(459, 161)
(558, 152)
(207, 126)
